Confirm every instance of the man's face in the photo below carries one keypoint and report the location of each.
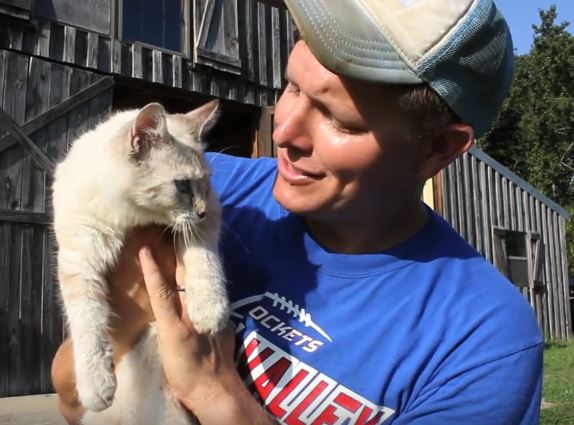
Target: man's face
(342, 150)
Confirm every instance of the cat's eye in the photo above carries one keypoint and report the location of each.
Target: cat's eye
(183, 185)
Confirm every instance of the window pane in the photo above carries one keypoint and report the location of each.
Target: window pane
(155, 22)
(516, 244)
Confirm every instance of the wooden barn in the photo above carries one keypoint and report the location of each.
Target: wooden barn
(515, 227)
(62, 70)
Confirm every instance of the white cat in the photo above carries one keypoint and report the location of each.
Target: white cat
(138, 167)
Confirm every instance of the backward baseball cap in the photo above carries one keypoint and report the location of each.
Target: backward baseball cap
(461, 48)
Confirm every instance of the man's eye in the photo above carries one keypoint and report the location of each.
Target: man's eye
(291, 88)
(343, 128)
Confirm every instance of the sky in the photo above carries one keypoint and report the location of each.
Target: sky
(521, 14)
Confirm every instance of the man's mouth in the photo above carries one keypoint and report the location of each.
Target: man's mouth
(295, 175)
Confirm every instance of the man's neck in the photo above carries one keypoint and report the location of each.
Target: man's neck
(365, 236)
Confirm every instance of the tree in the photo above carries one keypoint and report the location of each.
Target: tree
(534, 132)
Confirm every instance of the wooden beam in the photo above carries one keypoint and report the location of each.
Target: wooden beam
(57, 111)
(24, 217)
(35, 152)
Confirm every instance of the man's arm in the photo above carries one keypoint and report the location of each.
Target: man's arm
(503, 391)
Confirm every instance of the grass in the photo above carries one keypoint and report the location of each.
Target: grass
(558, 389)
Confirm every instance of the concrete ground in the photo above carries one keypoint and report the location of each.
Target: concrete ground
(30, 410)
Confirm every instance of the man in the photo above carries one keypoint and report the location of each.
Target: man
(353, 302)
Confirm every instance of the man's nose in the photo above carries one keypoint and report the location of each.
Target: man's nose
(292, 123)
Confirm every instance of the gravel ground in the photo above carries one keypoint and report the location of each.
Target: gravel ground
(30, 410)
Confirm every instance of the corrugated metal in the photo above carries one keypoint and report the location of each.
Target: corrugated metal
(479, 194)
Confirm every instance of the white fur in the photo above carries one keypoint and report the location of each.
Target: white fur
(100, 192)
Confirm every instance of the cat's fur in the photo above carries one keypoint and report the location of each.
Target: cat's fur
(136, 168)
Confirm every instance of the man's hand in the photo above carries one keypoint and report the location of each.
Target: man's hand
(199, 368)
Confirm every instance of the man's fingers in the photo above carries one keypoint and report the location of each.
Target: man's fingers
(164, 297)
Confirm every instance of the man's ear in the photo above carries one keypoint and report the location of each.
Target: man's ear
(204, 120)
(149, 127)
(447, 145)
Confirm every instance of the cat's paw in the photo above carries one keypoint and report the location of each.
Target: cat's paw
(96, 389)
(208, 314)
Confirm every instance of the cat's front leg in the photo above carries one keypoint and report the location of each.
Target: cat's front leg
(205, 288)
(84, 291)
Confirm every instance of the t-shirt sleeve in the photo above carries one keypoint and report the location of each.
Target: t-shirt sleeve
(503, 391)
(235, 178)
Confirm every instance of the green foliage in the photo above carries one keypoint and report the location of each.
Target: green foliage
(558, 391)
(534, 132)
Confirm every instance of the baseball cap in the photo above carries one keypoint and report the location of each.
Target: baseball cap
(461, 48)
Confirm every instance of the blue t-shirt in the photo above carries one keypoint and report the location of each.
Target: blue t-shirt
(427, 332)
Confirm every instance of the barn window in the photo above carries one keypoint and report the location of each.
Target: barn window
(159, 23)
(518, 255)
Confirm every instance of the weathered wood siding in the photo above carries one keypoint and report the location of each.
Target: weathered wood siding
(53, 104)
(260, 39)
(477, 194)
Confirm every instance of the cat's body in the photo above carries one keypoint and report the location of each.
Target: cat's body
(137, 168)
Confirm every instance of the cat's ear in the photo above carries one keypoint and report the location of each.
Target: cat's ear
(205, 118)
(149, 127)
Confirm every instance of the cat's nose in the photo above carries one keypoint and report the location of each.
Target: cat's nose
(201, 215)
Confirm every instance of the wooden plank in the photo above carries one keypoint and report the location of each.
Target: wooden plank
(5, 247)
(477, 213)
(14, 100)
(137, 61)
(27, 217)
(470, 234)
(33, 192)
(43, 46)
(277, 73)
(545, 277)
(557, 266)
(485, 211)
(69, 54)
(246, 40)
(262, 31)
(460, 195)
(37, 154)
(30, 307)
(3, 61)
(104, 57)
(100, 106)
(61, 109)
(56, 140)
(92, 50)
(157, 66)
(176, 76)
(16, 384)
(116, 57)
(550, 278)
(52, 323)
(561, 224)
(77, 123)
(11, 178)
(38, 93)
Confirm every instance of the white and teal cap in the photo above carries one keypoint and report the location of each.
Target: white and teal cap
(461, 48)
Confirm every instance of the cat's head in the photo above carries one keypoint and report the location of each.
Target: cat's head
(172, 176)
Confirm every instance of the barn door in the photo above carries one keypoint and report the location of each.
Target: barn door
(217, 34)
(31, 327)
